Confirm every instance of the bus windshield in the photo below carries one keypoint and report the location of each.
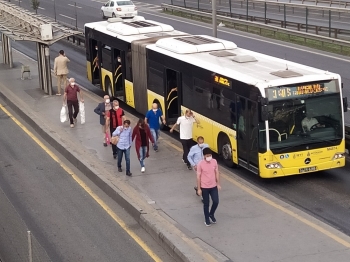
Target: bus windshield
(303, 123)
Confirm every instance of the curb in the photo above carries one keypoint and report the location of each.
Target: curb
(181, 246)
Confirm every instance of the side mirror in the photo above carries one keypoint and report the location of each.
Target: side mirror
(264, 113)
(345, 104)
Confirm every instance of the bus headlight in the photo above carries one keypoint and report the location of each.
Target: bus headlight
(338, 156)
(273, 165)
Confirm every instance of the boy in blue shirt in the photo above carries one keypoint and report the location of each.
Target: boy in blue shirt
(152, 119)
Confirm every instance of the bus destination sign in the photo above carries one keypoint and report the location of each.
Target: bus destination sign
(279, 93)
(222, 81)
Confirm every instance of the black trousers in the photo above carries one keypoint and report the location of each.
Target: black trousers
(186, 146)
(72, 104)
(114, 147)
(214, 194)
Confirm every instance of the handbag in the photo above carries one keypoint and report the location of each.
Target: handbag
(114, 140)
(108, 140)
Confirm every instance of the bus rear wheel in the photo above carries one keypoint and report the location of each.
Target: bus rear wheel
(226, 151)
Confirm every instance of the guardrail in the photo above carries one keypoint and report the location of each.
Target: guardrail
(233, 22)
(321, 20)
(330, 2)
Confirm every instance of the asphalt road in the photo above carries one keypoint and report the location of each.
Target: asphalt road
(325, 195)
(67, 222)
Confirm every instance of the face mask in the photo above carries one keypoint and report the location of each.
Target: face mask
(108, 101)
(155, 110)
(208, 158)
(72, 84)
(116, 107)
(96, 48)
(200, 145)
(119, 60)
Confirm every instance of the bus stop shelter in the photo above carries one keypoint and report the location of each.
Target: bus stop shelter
(19, 24)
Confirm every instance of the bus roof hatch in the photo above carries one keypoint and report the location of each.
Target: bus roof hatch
(194, 44)
(138, 27)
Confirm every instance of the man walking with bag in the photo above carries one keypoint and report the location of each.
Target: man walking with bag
(101, 110)
(208, 183)
(71, 99)
(124, 133)
(61, 70)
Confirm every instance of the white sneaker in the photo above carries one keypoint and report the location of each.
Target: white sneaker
(143, 169)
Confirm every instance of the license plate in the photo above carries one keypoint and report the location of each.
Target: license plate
(307, 169)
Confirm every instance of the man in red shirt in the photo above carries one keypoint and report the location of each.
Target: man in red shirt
(208, 184)
(115, 118)
(71, 96)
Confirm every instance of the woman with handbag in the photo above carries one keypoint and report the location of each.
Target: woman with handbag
(142, 135)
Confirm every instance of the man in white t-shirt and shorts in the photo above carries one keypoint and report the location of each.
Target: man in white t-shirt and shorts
(186, 124)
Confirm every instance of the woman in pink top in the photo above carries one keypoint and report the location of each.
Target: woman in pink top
(208, 183)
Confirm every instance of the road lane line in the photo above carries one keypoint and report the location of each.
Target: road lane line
(275, 205)
(81, 183)
(66, 16)
(249, 37)
(75, 6)
(41, 8)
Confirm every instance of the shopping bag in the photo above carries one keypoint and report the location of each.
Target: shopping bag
(63, 114)
(114, 140)
(82, 112)
(108, 141)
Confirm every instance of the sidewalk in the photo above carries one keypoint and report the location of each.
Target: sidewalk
(252, 225)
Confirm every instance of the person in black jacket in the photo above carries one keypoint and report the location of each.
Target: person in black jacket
(101, 110)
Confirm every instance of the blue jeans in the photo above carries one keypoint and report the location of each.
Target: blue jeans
(155, 133)
(214, 194)
(127, 158)
(143, 151)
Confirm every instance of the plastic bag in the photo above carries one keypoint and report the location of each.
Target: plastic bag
(82, 112)
(108, 140)
(63, 114)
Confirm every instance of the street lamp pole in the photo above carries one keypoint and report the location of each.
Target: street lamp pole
(54, 8)
(215, 31)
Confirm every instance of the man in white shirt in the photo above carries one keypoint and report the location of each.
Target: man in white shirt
(186, 124)
(309, 121)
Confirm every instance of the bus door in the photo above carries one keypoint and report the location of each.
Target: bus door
(118, 76)
(247, 133)
(95, 60)
(172, 95)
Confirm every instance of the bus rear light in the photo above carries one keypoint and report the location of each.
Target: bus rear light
(273, 165)
(338, 156)
(119, 9)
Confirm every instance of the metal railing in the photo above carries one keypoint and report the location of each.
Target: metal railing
(330, 3)
(234, 22)
(330, 21)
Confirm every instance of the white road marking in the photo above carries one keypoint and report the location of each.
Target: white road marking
(250, 37)
(99, 1)
(41, 8)
(67, 17)
(75, 6)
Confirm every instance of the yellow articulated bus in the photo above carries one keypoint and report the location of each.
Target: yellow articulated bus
(271, 116)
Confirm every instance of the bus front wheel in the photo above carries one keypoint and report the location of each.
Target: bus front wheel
(226, 150)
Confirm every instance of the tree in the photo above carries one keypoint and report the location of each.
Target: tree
(35, 5)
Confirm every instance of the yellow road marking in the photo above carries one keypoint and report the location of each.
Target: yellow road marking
(110, 212)
(275, 205)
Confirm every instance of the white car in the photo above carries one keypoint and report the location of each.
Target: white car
(119, 8)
